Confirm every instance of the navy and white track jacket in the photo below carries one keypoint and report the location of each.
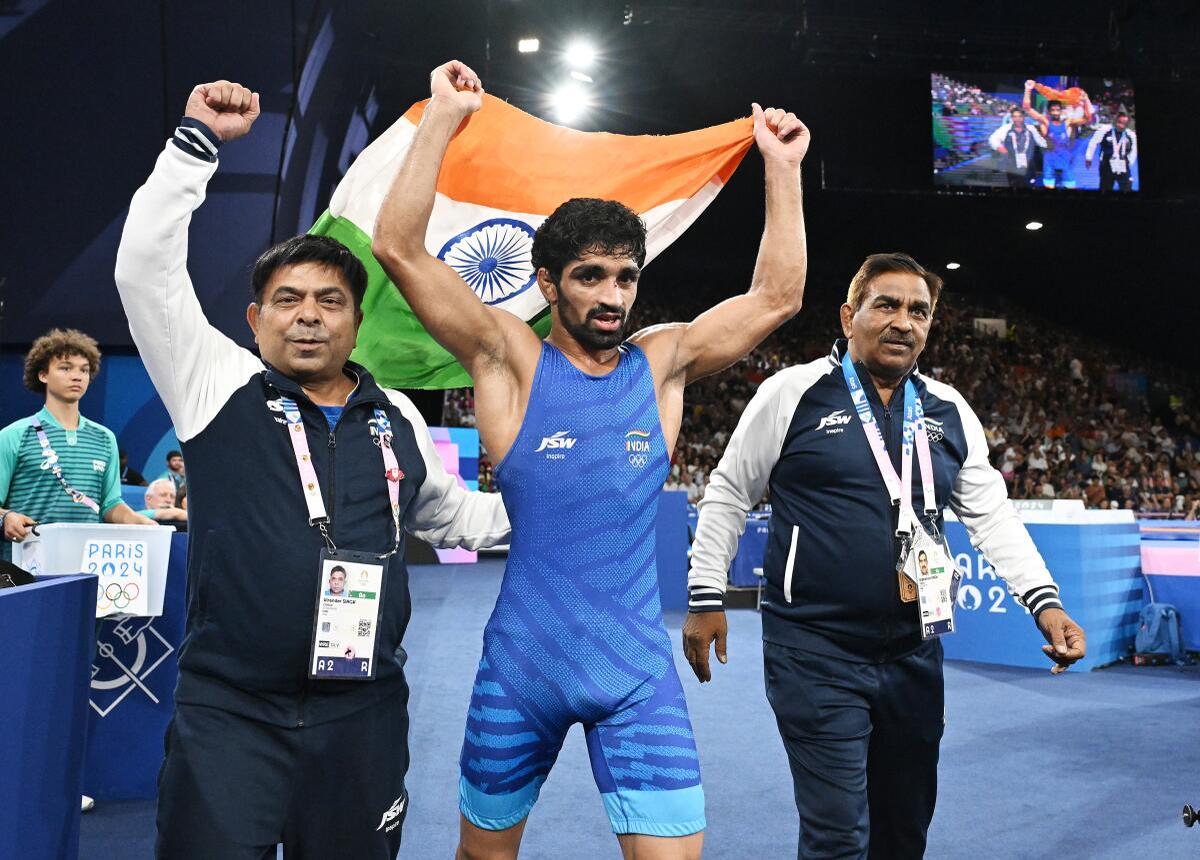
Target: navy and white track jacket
(253, 558)
(830, 564)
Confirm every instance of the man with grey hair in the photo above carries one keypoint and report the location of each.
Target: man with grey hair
(160, 502)
(859, 581)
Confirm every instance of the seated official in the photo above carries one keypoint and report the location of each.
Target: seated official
(160, 504)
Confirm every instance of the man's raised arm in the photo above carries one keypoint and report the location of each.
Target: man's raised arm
(728, 332)
(478, 336)
(191, 364)
(1027, 104)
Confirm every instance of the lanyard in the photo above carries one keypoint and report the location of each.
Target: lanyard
(317, 515)
(1118, 143)
(899, 487)
(1024, 140)
(51, 463)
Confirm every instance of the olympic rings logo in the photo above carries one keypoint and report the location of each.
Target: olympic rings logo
(638, 461)
(117, 596)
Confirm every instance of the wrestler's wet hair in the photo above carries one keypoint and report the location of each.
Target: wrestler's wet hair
(1053, 104)
(585, 225)
(321, 250)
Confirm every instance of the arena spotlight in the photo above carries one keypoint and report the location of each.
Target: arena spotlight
(528, 46)
(569, 102)
(580, 76)
(952, 266)
(1034, 225)
(580, 54)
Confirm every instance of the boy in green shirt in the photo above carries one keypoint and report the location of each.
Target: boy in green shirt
(57, 466)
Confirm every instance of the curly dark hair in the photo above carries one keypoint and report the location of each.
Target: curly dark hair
(59, 343)
(585, 224)
(306, 248)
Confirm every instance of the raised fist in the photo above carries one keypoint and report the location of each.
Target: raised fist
(779, 134)
(457, 84)
(228, 109)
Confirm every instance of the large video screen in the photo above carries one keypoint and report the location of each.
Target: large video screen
(1057, 132)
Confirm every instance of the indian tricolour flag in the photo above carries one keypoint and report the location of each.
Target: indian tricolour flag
(503, 174)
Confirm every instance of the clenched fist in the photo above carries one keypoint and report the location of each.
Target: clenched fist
(228, 109)
(457, 84)
(780, 135)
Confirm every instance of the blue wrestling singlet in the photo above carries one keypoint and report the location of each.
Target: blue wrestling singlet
(1059, 158)
(577, 634)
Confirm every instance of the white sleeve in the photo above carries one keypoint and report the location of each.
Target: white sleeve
(1037, 136)
(1097, 136)
(737, 484)
(1133, 148)
(194, 367)
(980, 500)
(997, 136)
(443, 513)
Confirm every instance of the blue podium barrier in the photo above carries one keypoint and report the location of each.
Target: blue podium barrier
(1097, 567)
(671, 544)
(47, 631)
(133, 693)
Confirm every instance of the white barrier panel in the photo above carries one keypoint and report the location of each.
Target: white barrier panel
(67, 547)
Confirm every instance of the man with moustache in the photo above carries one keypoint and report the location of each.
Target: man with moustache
(581, 428)
(1117, 144)
(1015, 145)
(850, 620)
(295, 458)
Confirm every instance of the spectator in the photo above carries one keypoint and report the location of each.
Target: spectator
(160, 504)
(175, 473)
(57, 466)
(130, 475)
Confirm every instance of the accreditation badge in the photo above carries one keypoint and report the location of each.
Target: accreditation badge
(1022, 160)
(1117, 165)
(346, 622)
(936, 577)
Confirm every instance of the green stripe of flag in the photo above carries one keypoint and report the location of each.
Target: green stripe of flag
(392, 344)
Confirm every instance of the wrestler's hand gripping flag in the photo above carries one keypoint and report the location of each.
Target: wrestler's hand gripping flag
(504, 172)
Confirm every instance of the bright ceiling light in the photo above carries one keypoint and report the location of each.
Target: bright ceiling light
(569, 102)
(528, 46)
(952, 266)
(1034, 225)
(580, 54)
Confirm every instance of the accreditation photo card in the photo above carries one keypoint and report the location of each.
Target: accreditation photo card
(346, 621)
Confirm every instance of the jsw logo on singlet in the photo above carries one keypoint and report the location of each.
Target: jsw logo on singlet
(558, 440)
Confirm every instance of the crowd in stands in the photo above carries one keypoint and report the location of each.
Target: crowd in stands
(1065, 417)
(956, 98)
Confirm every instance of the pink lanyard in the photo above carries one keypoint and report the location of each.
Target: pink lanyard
(899, 487)
(51, 463)
(317, 515)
